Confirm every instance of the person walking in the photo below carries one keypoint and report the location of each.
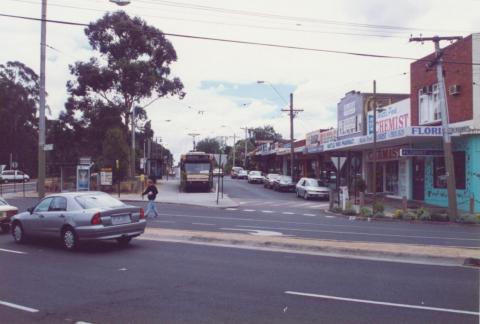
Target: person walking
(151, 192)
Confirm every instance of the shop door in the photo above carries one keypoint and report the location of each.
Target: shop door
(418, 191)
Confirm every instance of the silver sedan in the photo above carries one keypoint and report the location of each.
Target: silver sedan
(79, 216)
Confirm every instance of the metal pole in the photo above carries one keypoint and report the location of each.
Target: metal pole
(234, 141)
(292, 149)
(374, 169)
(218, 180)
(41, 115)
(245, 163)
(132, 159)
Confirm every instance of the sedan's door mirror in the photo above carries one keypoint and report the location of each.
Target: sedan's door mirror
(30, 210)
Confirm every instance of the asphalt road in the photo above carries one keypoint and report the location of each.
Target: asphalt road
(156, 282)
(297, 221)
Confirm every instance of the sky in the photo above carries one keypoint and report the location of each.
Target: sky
(221, 78)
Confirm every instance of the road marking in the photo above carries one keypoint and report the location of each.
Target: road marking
(165, 221)
(248, 210)
(254, 231)
(318, 206)
(267, 211)
(366, 301)
(288, 213)
(231, 208)
(20, 307)
(203, 224)
(242, 202)
(13, 251)
(309, 215)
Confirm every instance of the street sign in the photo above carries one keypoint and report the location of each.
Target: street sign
(106, 177)
(48, 147)
(335, 161)
(223, 160)
(83, 177)
(85, 160)
(420, 152)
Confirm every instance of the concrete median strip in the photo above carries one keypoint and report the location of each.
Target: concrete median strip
(388, 251)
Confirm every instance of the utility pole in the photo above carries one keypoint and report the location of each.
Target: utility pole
(193, 135)
(234, 141)
(132, 154)
(447, 141)
(246, 136)
(41, 115)
(292, 112)
(374, 169)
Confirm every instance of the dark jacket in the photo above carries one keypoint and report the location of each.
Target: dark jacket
(151, 191)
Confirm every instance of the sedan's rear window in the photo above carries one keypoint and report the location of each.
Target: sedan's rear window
(98, 201)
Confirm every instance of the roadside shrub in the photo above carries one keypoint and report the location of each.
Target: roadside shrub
(398, 214)
(439, 217)
(378, 207)
(423, 214)
(349, 210)
(365, 212)
(409, 215)
(469, 219)
(336, 209)
(378, 215)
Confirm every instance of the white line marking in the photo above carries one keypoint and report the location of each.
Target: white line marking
(203, 224)
(249, 210)
(13, 251)
(288, 213)
(318, 206)
(231, 208)
(309, 215)
(20, 307)
(162, 221)
(254, 232)
(267, 211)
(366, 301)
(242, 202)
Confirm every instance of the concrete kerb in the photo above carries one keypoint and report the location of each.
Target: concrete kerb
(384, 251)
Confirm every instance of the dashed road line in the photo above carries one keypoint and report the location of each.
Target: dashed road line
(309, 215)
(203, 224)
(20, 307)
(366, 301)
(249, 210)
(231, 208)
(13, 251)
(267, 211)
(288, 213)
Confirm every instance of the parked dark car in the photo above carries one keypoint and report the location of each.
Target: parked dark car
(268, 180)
(283, 183)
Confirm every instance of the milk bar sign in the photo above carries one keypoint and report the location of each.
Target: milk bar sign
(420, 152)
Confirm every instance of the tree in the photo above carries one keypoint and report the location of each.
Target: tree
(19, 99)
(132, 66)
(115, 147)
(265, 133)
(208, 145)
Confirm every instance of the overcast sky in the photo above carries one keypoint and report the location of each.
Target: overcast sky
(221, 78)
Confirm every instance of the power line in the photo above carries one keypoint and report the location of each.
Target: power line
(229, 23)
(225, 40)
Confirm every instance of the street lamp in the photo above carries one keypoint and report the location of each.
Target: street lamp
(274, 89)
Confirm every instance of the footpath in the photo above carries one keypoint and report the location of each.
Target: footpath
(169, 193)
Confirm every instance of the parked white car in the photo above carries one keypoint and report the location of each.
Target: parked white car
(312, 188)
(6, 213)
(13, 176)
(255, 177)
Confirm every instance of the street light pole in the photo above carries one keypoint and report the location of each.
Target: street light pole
(374, 171)
(292, 113)
(194, 135)
(41, 115)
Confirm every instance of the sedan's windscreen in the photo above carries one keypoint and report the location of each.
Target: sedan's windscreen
(255, 173)
(3, 202)
(197, 167)
(98, 201)
(286, 179)
(315, 183)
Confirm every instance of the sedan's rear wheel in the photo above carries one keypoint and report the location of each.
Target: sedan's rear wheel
(18, 233)
(124, 241)
(69, 239)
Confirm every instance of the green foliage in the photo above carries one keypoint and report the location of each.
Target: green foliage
(336, 209)
(19, 100)
(115, 147)
(208, 145)
(366, 212)
(398, 213)
(423, 214)
(378, 207)
(469, 218)
(409, 215)
(349, 210)
(265, 133)
(439, 216)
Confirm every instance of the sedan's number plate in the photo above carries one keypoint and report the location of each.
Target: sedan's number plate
(122, 219)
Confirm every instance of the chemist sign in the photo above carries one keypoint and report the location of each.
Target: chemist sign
(390, 118)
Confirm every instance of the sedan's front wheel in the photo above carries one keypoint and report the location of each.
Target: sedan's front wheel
(305, 196)
(69, 239)
(18, 233)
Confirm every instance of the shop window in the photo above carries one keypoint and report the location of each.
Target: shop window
(439, 171)
(429, 105)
